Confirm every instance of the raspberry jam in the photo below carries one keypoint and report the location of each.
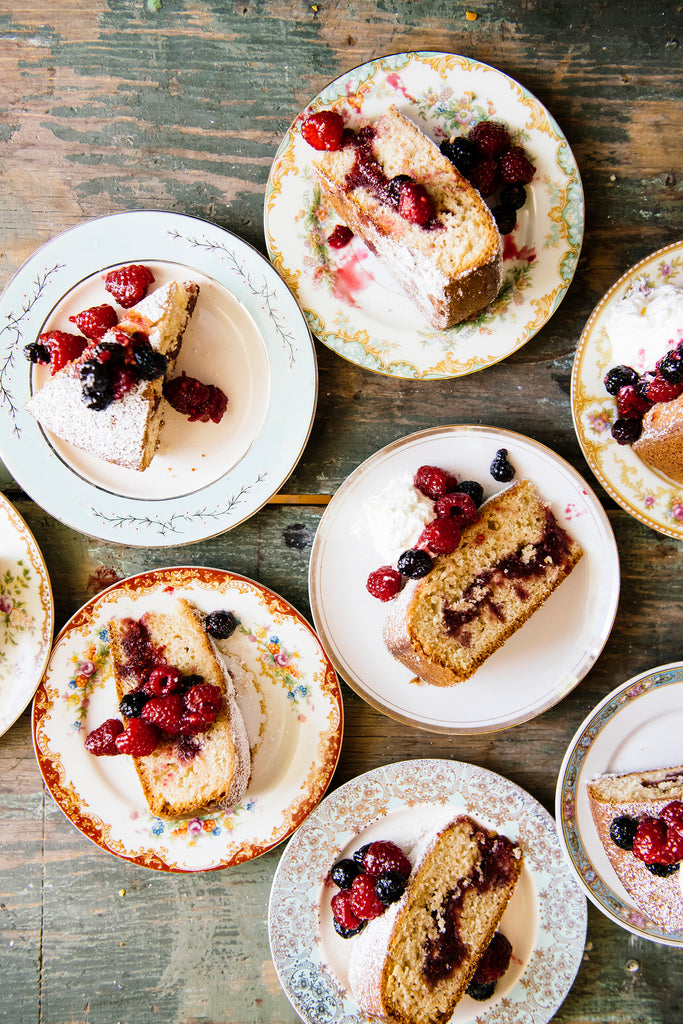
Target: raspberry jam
(197, 401)
(140, 655)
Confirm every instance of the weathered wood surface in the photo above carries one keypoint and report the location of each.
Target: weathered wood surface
(114, 106)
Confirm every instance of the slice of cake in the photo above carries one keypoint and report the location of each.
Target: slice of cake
(508, 562)
(125, 432)
(639, 821)
(192, 768)
(661, 439)
(429, 227)
(414, 963)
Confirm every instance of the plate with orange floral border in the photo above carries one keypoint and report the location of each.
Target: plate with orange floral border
(287, 690)
(350, 302)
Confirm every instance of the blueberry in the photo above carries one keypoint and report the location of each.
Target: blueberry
(473, 489)
(390, 886)
(344, 872)
(347, 933)
(619, 377)
(131, 704)
(220, 625)
(462, 153)
(414, 563)
(623, 831)
(500, 469)
(480, 991)
(662, 870)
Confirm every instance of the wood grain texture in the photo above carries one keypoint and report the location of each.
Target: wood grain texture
(112, 106)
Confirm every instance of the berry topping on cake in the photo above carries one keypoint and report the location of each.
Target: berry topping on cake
(650, 842)
(131, 704)
(128, 285)
(384, 583)
(442, 535)
(484, 176)
(339, 237)
(383, 856)
(162, 680)
(390, 886)
(147, 362)
(623, 831)
(474, 489)
(671, 367)
(434, 482)
(345, 921)
(95, 321)
(220, 624)
(364, 901)
(630, 404)
(490, 137)
(501, 468)
(462, 153)
(63, 348)
(166, 713)
(199, 402)
(626, 431)
(458, 505)
(102, 740)
(323, 130)
(36, 352)
(673, 815)
(662, 390)
(414, 563)
(139, 738)
(344, 872)
(619, 377)
(515, 167)
(415, 204)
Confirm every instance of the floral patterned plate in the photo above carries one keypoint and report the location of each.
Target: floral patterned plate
(26, 615)
(545, 920)
(635, 728)
(286, 688)
(536, 667)
(247, 335)
(642, 491)
(350, 302)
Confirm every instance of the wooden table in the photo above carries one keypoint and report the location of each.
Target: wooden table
(180, 105)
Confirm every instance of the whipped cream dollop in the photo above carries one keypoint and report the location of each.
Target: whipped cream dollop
(645, 323)
(396, 516)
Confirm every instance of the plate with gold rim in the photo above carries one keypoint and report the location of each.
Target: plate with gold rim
(26, 615)
(287, 690)
(642, 491)
(545, 920)
(350, 302)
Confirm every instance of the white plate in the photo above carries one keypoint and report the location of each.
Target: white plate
(350, 302)
(642, 491)
(545, 921)
(286, 688)
(635, 728)
(26, 615)
(247, 335)
(539, 664)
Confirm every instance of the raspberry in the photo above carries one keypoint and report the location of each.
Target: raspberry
(139, 738)
(501, 469)
(128, 284)
(95, 321)
(490, 137)
(515, 167)
(461, 152)
(323, 130)
(344, 872)
(626, 431)
(672, 814)
(484, 176)
(102, 740)
(649, 840)
(384, 583)
(662, 390)
(383, 856)
(199, 402)
(165, 712)
(495, 961)
(672, 851)
(220, 624)
(363, 900)
(197, 721)
(204, 697)
(345, 921)
(63, 348)
(458, 506)
(124, 380)
(442, 536)
(434, 482)
(619, 377)
(505, 217)
(163, 679)
(415, 204)
(339, 237)
(414, 564)
(630, 404)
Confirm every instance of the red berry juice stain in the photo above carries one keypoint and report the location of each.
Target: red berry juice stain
(349, 277)
(512, 252)
(101, 579)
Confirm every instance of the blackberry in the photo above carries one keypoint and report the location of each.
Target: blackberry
(414, 564)
(514, 196)
(344, 872)
(37, 353)
(187, 682)
(662, 870)
(481, 992)
(149, 364)
(461, 152)
(500, 469)
(347, 933)
(95, 376)
(643, 384)
(618, 377)
(622, 831)
(131, 704)
(395, 186)
(505, 217)
(473, 489)
(108, 352)
(220, 625)
(671, 368)
(390, 886)
(98, 399)
(626, 430)
(359, 854)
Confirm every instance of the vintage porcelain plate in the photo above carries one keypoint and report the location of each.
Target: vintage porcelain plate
(351, 303)
(545, 920)
(247, 336)
(539, 664)
(635, 728)
(644, 492)
(26, 615)
(286, 688)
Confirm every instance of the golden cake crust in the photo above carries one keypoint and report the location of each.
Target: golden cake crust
(661, 439)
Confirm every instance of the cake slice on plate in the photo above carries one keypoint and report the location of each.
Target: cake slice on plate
(126, 431)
